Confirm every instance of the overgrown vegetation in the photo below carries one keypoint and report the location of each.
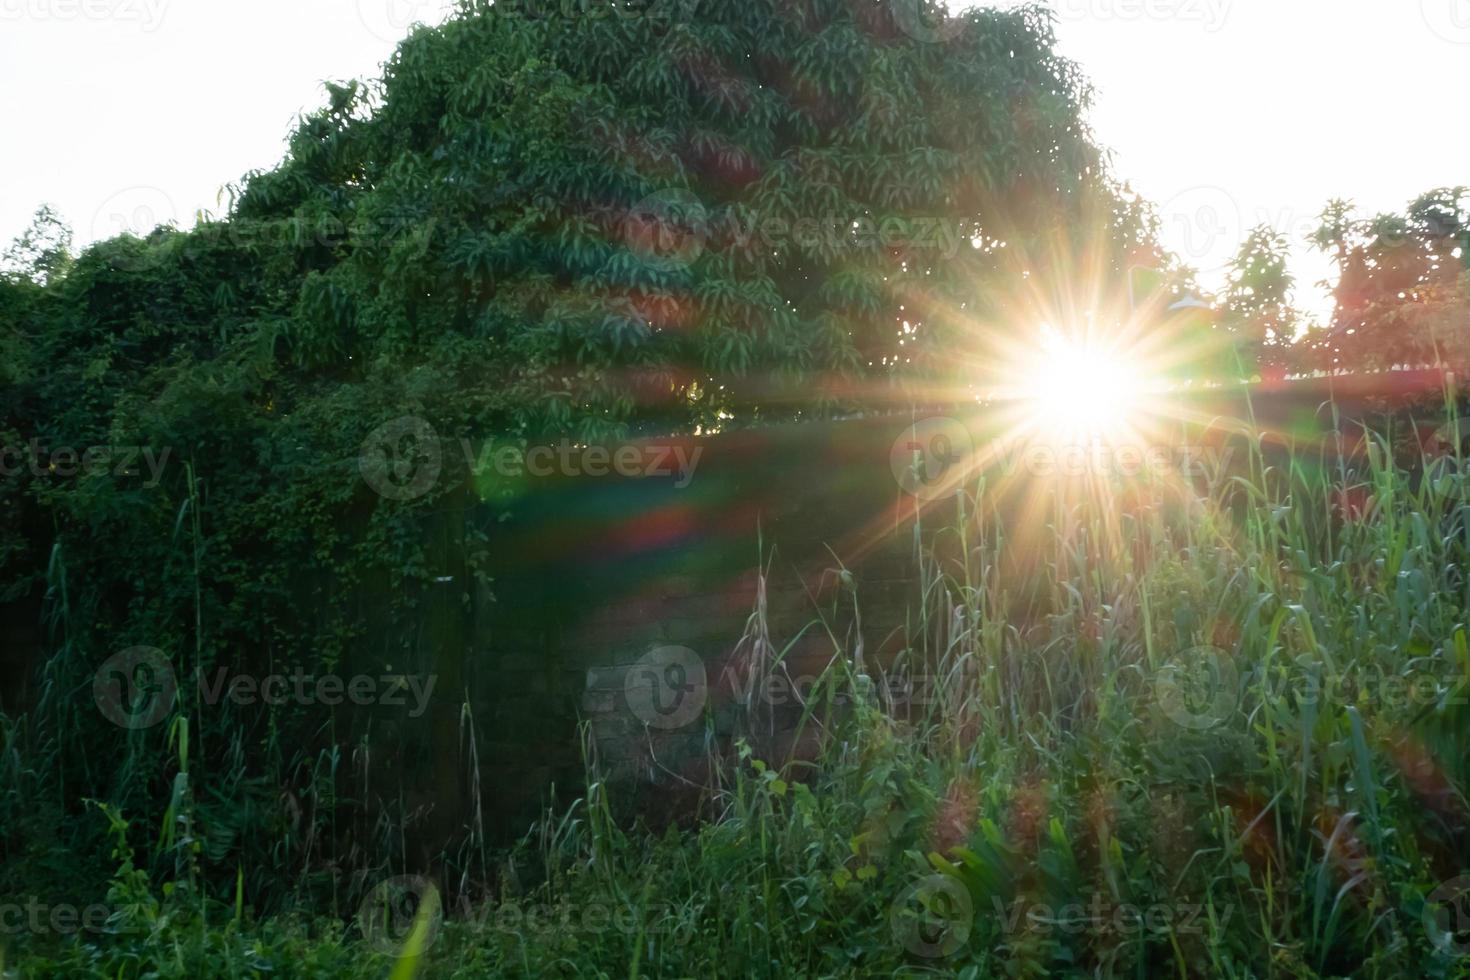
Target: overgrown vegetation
(727, 215)
(1239, 705)
(495, 239)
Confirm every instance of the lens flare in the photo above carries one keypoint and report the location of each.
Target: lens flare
(1080, 390)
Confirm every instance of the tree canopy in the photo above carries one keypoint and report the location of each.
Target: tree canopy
(1403, 293)
(668, 218)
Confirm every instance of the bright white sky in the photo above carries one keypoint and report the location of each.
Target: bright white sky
(1227, 113)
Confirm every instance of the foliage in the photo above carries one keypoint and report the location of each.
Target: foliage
(1257, 301)
(483, 240)
(1403, 295)
(710, 215)
(1293, 817)
(42, 252)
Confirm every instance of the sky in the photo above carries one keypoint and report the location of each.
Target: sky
(1233, 113)
(1225, 113)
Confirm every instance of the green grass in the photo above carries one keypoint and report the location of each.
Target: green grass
(1207, 730)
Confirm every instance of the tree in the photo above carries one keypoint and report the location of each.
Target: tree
(661, 218)
(537, 224)
(1403, 295)
(43, 252)
(1258, 305)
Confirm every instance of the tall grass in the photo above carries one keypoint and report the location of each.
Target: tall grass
(1233, 708)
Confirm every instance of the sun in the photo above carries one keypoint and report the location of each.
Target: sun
(1080, 390)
